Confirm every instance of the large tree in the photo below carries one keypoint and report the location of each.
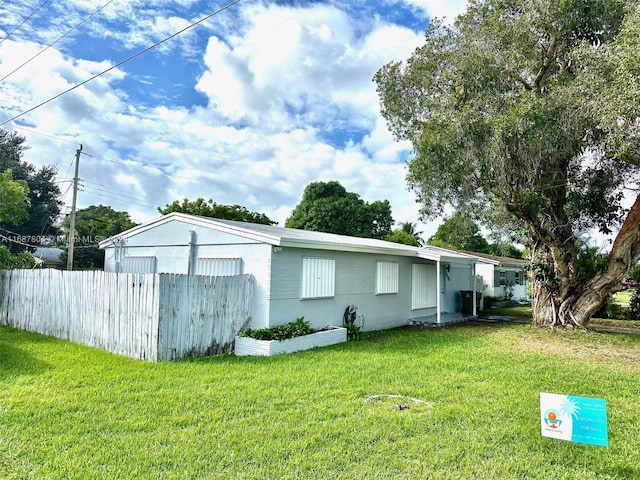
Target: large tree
(209, 208)
(94, 224)
(14, 198)
(460, 232)
(531, 108)
(400, 236)
(44, 203)
(328, 207)
(14, 201)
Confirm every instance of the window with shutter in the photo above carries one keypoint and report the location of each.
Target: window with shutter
(387, 277)
(219, 267)
(423, 286)
(318, 278)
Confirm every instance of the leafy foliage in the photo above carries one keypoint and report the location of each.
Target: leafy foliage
(14, 198)
(209, 208)
(328, 207)
(460, 232)
(635, 274)
(350, 322)
(43, 206)
(94, 224)
(280, 332)
(407, 234)
(400, 236)
(634, 304)
(9, 261)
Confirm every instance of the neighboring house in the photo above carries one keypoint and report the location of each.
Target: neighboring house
(301, 273)
(48, 257)
(509, 273)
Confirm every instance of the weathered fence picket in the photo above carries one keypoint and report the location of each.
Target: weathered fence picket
(143, 316)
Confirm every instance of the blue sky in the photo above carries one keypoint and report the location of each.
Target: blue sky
(246, 108)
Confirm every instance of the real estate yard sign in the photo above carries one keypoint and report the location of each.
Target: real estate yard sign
(575, 419)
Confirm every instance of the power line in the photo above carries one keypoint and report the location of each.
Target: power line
(121, 163)
(145, 167)
(135, 55)
(138, 202)
(24, 21)
(54, 42)
(45, 135)
(117, 192)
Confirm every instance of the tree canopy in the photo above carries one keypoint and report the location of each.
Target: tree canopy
(94, 224)
(530, 108)
(43, 206)
(400, 236)
(461, 232)
(209, 208)
(328, 207)
(14, 198)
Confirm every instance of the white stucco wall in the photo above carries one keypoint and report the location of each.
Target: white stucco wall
(487, 272)
(169, 242)
(355, 285)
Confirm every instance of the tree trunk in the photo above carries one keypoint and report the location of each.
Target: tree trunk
(550, 310)
(562, 301)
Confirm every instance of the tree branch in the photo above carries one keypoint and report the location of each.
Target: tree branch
(547, 61)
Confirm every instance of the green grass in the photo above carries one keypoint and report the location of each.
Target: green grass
(472, 392)
(520, 311)
(524, 311)
(623, 298)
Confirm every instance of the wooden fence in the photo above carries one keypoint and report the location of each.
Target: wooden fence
(143, 316)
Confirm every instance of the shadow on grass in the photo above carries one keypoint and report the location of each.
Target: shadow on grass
(407, 340)
(15, 358)
(622, 471)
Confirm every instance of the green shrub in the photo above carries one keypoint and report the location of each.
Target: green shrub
(490, 300)
(613, 311)
(9, 261)
(350, 322)
(618, 312)
(280, 332)
(634, 304)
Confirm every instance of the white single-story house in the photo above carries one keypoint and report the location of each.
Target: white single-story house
(301, 273)
(504, 275)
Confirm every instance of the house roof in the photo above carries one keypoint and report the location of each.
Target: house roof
(48, 254)
(503, 261)
(292, 237)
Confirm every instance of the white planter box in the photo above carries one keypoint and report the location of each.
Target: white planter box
(251, 346)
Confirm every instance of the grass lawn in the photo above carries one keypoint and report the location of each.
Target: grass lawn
(518, 311)
(623, 297)
(524, 312)
(451, 403)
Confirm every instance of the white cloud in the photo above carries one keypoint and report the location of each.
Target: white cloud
(277, 90)
(447, 9)
(300, 66)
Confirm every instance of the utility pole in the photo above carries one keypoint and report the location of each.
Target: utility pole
(72, 219)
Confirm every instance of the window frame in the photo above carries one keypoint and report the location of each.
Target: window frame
(318, 278)
(387, 277)
(230, 266)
